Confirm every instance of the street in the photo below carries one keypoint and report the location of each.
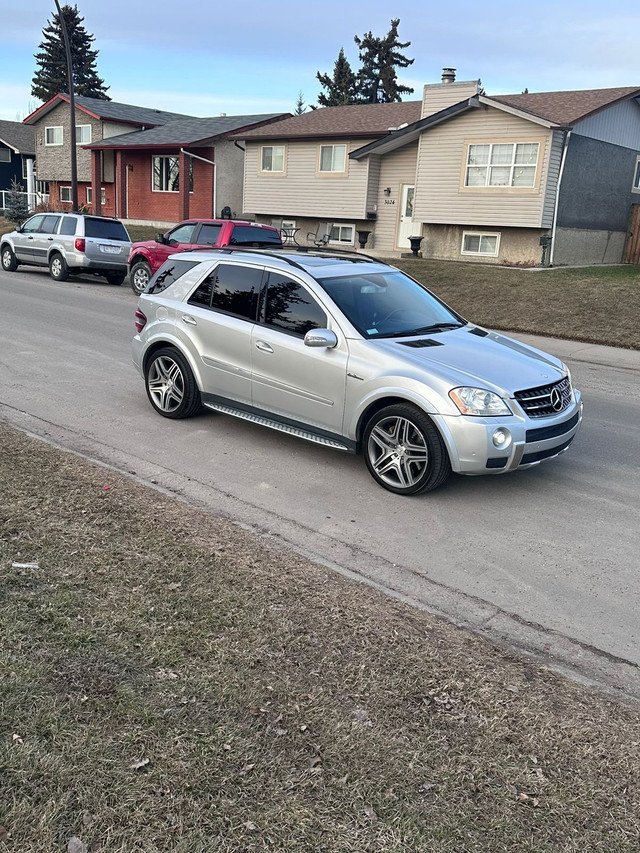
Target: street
(545, 560)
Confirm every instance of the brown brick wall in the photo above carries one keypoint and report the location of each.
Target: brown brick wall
(144, 203)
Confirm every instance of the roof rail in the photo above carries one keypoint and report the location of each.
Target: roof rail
(283, 253)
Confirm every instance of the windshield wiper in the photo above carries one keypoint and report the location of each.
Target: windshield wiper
(434, 327)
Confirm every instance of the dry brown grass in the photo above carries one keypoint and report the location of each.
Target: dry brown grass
(173, 683)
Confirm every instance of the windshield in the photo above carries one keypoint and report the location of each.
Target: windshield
(389, 304)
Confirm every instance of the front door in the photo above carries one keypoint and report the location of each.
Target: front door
(405, 220)
(297, 382)
(632, 254)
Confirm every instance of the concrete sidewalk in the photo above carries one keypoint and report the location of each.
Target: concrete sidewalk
(625, 359)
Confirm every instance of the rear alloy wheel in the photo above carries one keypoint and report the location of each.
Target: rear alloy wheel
(9, 262)
(171, 386)
(140, 276)
(404, 451)
(58, 269)
(115, 278)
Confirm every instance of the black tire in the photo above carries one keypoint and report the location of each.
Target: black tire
(171, 386)
(404, 451)
(140, 276)
(115, 278)
(9, 262)
(58, 269)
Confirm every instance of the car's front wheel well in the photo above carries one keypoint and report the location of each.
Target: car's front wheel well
(371, 410)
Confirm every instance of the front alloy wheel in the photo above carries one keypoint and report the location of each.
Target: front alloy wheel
(404, 451)
(171, 386)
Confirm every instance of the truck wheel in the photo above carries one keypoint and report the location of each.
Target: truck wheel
(140, 276)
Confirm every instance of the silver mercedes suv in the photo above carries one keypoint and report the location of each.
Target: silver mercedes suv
(69, 243)
(346, 351)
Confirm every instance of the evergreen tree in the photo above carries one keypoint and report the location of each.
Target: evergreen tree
(51, 75)
(300, 105)
(377, 81)
(17, 209)
(341, 88)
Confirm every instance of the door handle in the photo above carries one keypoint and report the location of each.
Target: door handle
(187, 318)
(263, 347)
(29, 237)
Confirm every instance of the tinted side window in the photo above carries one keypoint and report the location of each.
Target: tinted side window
(49, 224)
(246, 235)
(231, 289)
(169, 272)
(68, 226)
(108, 229)
(208, 235)
(291, 308)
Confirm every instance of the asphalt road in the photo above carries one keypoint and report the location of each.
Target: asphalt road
(545, 560)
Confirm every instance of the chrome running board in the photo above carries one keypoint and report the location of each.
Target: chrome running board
(277, 425)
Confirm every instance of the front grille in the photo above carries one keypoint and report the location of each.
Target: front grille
(546, 400)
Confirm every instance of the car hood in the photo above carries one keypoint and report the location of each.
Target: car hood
(494, 361)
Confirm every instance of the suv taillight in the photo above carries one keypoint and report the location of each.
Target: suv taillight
(80, 244)
(141, 320)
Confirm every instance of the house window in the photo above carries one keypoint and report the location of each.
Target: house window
(502, 164)
(83, 134)
(480, 243)
(53, 135)
(636, 177)
(5, 155)
(272, 158)
(342, 234)
(333, 158)
(103, 199)
(65, 194)
(166, 174)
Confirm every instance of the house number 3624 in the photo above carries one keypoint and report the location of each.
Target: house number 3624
(389, 201)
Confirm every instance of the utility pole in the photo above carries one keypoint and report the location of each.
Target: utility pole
(72, 106)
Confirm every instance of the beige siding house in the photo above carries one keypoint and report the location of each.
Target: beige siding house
(494, 179)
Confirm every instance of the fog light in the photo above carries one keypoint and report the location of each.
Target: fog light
(501, 438)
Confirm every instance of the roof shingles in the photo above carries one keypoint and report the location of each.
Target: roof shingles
(567, 108)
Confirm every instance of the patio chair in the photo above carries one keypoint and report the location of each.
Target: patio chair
(322, 234)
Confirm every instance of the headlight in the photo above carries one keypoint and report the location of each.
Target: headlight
(479, 401)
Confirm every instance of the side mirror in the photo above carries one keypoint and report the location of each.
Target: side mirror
(161, 239)
(321, 338)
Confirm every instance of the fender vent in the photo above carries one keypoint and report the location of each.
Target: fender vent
(479, 332)
(423, 342)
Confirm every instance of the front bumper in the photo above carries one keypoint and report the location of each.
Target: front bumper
(529, 441)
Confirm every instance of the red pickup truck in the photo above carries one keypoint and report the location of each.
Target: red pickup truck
(145, 258)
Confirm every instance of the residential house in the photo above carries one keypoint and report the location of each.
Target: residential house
(550, 177)
(130, 159)
(17, 151)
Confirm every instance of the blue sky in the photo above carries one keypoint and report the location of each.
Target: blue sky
(255, 57)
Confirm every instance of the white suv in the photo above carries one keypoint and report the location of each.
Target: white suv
(69, 243)
(346, 351)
